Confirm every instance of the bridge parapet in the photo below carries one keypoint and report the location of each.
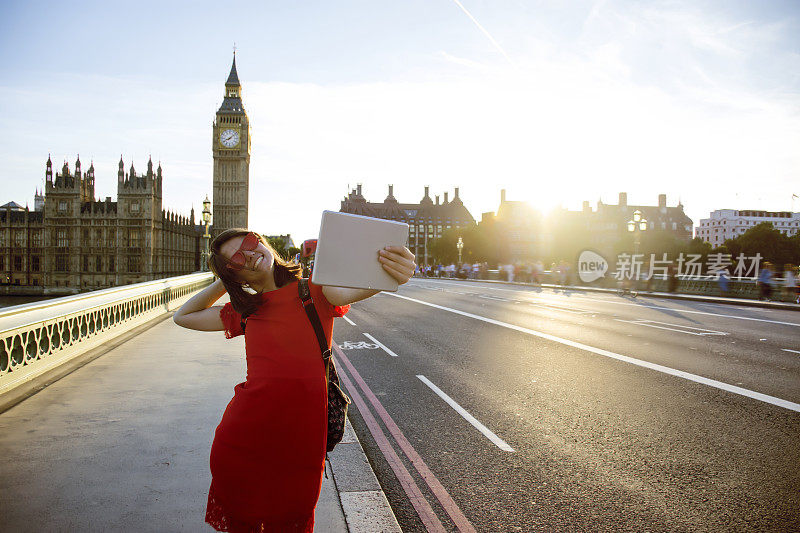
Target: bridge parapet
(38, 337)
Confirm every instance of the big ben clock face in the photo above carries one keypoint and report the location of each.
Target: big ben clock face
(229, 138)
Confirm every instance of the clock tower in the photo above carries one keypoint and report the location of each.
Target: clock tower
(230, 144)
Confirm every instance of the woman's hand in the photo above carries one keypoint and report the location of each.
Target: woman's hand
(398, 261)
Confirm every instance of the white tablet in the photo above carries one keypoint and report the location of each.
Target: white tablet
(347, 251)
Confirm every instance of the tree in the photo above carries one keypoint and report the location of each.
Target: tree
(477, 245)
(770, 243)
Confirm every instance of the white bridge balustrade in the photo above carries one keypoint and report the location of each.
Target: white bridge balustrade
(39, 337)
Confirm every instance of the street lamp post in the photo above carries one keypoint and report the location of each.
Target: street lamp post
(460, 246)
(637, 226)
(206, 236)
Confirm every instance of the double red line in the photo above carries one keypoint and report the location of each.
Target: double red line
(421, 505)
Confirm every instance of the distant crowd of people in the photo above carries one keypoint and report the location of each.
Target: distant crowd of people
(526, 272)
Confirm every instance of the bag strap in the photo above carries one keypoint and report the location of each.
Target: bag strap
(311, 311)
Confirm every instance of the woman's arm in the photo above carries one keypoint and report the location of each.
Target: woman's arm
(398, 261)
(198, 313)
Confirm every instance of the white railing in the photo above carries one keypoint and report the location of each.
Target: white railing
(37, 337)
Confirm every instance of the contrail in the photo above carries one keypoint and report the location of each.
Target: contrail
(486, 33)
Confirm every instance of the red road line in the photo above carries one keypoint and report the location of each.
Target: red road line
(433, 483)
(421, 505)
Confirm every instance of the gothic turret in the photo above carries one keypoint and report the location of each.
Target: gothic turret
(233, 92)
(121, 171)
(48, 173)
(158, 179)
(38, 201)
(233, 77)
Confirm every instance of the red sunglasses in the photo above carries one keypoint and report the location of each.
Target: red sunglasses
(249, 243)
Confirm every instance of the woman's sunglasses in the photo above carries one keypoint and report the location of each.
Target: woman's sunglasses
(249, 243)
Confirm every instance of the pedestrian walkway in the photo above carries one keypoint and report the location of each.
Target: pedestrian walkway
(122, 444)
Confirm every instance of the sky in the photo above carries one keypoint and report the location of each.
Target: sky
(556, 102)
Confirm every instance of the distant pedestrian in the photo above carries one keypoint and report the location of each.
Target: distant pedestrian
(672, 278)
(724, 281)
(538, 271)
(789, 282)
(765, 282)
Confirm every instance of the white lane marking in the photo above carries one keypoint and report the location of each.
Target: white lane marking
(500, 443)
(534, 303)
(487, 297)
(565, 309)
(624, 358)
(348, 320)
(648, 306)
(788, 350)
(376, 341)
(675, 327)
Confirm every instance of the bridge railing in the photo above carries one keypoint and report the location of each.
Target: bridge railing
(745, 287)
(38, 337)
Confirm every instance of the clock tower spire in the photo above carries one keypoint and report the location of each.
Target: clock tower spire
(230, 145)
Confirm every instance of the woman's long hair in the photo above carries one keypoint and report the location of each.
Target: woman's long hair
(244, 303)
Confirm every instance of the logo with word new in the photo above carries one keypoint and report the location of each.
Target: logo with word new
(591, 266)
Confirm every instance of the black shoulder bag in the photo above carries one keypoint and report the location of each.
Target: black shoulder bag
(337, 399)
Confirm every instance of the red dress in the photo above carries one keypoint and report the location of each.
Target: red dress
(268, 455)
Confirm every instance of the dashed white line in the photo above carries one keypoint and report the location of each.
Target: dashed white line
(376, 341)
(624, 358)
(497, 441)
(349, 321)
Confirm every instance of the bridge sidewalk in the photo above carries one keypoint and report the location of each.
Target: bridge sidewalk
(123, 444)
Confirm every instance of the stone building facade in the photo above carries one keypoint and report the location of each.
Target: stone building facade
(427, 220)
(724, 224)
(230, 144)
(72, 242)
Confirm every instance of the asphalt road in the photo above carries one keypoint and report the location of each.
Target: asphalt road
(601, 412)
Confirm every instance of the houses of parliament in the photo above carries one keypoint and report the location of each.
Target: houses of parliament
(72, 242)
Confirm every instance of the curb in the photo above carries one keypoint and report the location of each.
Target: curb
(674, 296)
(365, 507)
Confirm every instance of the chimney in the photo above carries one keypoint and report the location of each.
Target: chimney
(445, 198)
(426, 190)
(662, 200)
(502, 196)
(358, 189)
(623, 199)
(437, 199)
(455, 196)
(391, 190)
(586, 208)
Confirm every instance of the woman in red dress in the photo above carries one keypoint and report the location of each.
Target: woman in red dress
(268, 455)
